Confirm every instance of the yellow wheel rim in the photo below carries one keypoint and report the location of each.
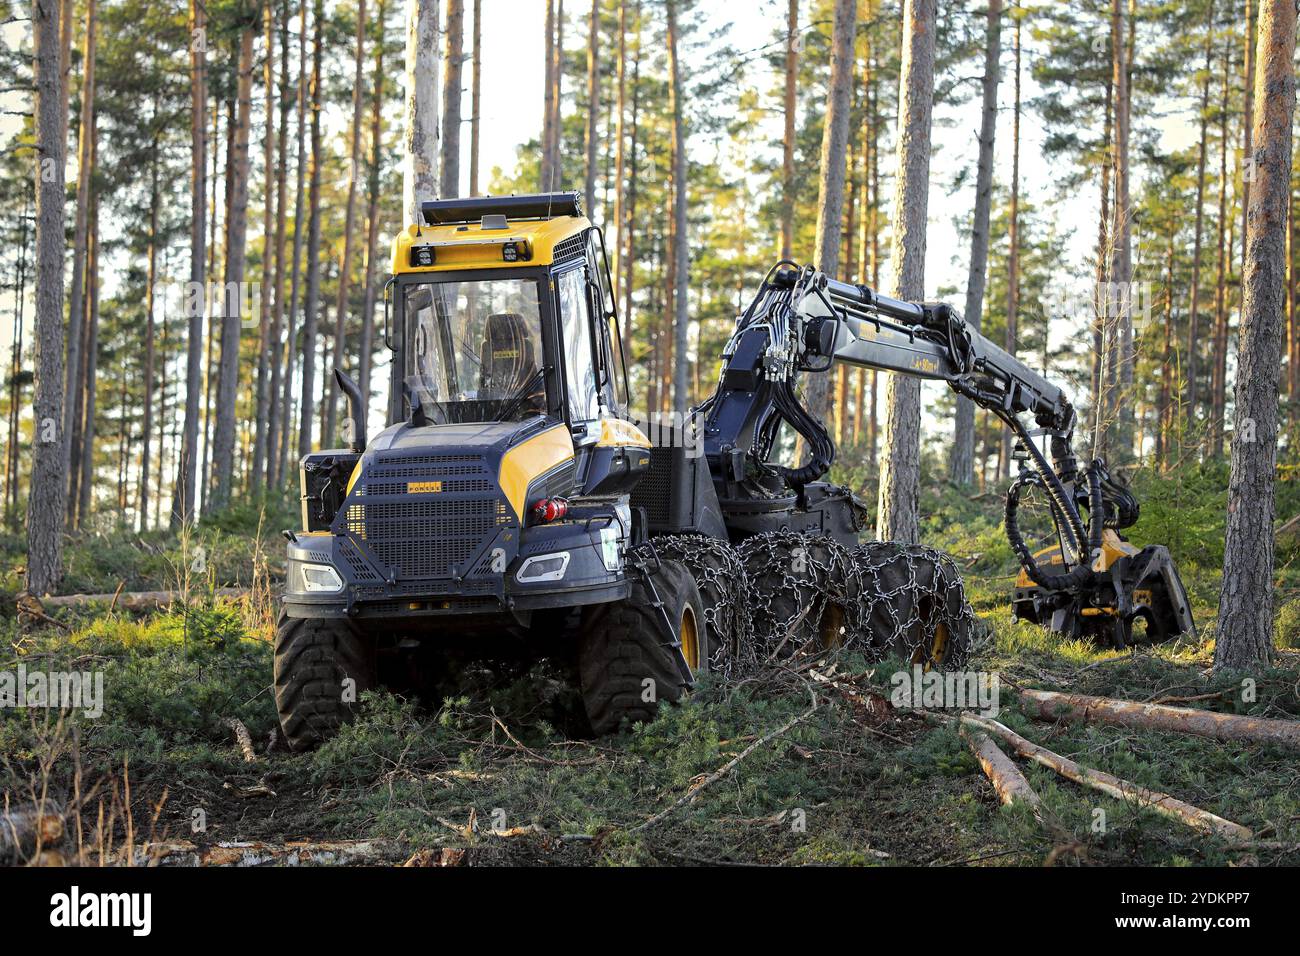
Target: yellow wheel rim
(937, 648)
(831, 628)
(690, 638)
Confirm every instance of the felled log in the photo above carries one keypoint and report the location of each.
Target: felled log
(24, 829)
(303, 853)
(1162, 803)
(1009, 783)
(134, 600)
(1048, 705)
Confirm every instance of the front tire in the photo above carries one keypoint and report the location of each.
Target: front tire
(626, 665)
(314, 662)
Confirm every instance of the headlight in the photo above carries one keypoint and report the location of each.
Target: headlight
(543, 567)
(320, 578)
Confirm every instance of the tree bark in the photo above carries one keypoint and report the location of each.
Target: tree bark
(1051, 706)
(1013, 244)
(146, 426)
(961, 465)
(476, 99)
(627, 224)
(620, 155)
(835, 140)
(897, 518)
(330, 435)
(792, 45)
(373, 268)
(420, 143)
(451, 98)
(680, 239)
(262, 422)
(223, 439)
(299, 238)
(45, 510)
(275, 420)
(544, 172)
(86, 482)
(1245, 624)
(593, 107)
(1113, 786)
(1219, 361)
(1194, 302)
(195, 295)
(74, 373)
(313, 241)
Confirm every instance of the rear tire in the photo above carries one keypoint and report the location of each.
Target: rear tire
(622, 647)
(313, 659)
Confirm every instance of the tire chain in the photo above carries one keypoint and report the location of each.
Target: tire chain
(770, 596)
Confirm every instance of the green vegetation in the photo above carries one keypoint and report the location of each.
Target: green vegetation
(852, 783)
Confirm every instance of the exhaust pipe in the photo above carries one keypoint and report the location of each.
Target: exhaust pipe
(356, 410)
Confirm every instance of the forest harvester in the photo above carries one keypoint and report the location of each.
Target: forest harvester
(512, 508)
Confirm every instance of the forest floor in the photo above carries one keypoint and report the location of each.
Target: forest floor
(851, 782)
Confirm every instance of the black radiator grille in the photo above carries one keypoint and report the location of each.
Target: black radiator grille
(432, 533)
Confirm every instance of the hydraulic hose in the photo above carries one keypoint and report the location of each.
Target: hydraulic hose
(1052, 485)
(1081, 572)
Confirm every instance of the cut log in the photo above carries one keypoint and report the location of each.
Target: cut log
(242, 738)
(1008, 782)
(305, 853)
(135, 600)
(24, 830)
(1162, 803)
(1048, 705)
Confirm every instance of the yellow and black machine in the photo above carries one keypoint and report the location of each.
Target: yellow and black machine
(510, 506)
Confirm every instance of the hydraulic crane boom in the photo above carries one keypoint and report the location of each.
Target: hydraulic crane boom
(802, 321)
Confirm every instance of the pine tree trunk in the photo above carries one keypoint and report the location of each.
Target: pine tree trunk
(1247, 122)
(330, 436)
(195, 296)
(74, 373)
(593, 108)
(897, 518)
(451, 98)
(681, 241)
(961, 465)
(420, 143)
(275, 423)
(476, 100)
(835, 139)
(313, 241)
(262, 422)
(792, 45)
(627, 225)
(223, 439)
(620, 156)
(1244, 637)
(1013, 243)
(374, 268)
(86, 482)
(45, 511)
(287, 405)
(1114, 296)
(544, 172)
(1194, 302)
(146, 427)
(1219, 361)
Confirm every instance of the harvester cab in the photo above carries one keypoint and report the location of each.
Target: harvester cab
(496, 500)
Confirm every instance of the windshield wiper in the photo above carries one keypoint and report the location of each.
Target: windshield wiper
(524, 394)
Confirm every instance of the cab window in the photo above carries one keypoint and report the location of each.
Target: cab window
(579, 361)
